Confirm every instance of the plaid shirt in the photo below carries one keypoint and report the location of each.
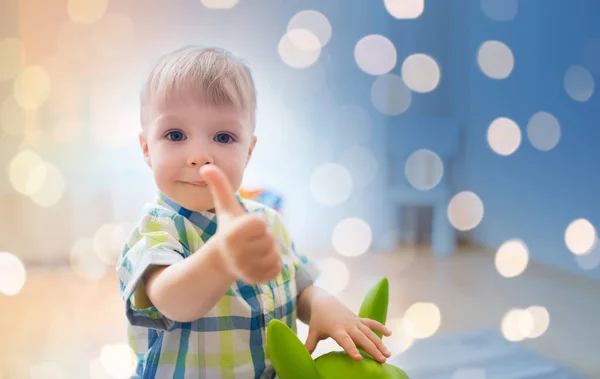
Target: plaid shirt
(227, 342)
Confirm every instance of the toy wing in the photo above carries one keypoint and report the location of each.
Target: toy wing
(375, 303)
(288, 354)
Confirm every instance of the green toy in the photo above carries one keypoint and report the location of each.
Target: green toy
(291, 360)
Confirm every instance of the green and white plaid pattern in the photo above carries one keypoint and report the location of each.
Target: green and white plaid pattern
(229, 341)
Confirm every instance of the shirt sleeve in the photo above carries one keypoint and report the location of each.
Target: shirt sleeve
(154, 242)
(307, 271)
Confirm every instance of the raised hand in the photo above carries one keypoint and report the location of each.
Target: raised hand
(245, 243)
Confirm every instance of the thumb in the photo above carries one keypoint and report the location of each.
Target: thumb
(311, 342)
(223, 195)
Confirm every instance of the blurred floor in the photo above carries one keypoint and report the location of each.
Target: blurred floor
(57, 326)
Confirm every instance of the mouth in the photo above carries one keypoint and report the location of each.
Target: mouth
(197, 183)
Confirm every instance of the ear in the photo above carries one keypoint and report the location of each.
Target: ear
(251, 150)
(375, 303)
(144, 147)
(288, 354)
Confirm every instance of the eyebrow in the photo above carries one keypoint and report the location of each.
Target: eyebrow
(230, 124)
(223, 124)
(167, 118)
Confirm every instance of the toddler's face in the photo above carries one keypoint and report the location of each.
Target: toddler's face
(177, 140)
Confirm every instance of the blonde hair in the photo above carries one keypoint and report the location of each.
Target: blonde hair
(206, 74)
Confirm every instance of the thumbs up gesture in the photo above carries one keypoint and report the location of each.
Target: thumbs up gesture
(245, 243)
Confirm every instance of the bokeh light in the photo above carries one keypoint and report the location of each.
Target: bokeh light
(390, 95)
(504, 136)
(580, 236)
(421, 73)
(590, 260)
(352, 237)
(401, 338)
(113, 35)
(579, 83)
(86, 11)
(495, 59)
(220, 4)
(513, 324)
(12, 274)
(20, 170)
(13, 117)
(424, 319)
(540, 321)
(525, 323)
(543, 131)
(331, 184)
(375, 54)
(36, 178)
(32, 87)
(118, 360)
(84, 262)
(108, 241)
(465, 211)
(12, 52)
(424, 169)
(314, 21)
(299, 48)
(504, 10)
(362, 165)
(405, 9)
(338, 275)
(512, 258)
(50, 184)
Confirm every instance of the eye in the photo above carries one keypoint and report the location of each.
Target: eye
(224, 138)
(176, 136)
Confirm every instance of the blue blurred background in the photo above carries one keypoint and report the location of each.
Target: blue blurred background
(329, 108)
(380, 123)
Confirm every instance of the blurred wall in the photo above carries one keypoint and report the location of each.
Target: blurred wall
(317, 126)
(532, 194)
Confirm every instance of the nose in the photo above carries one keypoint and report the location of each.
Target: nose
(199, 159)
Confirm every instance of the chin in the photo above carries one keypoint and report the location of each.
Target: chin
(197, 199)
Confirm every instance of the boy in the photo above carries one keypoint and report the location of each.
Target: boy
(205, 271)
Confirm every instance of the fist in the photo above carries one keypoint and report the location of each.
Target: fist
(245, 242)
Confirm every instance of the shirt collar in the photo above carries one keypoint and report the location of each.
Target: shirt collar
(205, 220)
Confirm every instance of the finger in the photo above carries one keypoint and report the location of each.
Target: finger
(376, 326)
(260, 248)
(311, 342)
(363, 341)
(375, 339)
(245, 236)
(254, 226)
(222, 193)
(347, 343)
(276, 269)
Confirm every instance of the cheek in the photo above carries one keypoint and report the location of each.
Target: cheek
(165, 164)
(233, 165)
